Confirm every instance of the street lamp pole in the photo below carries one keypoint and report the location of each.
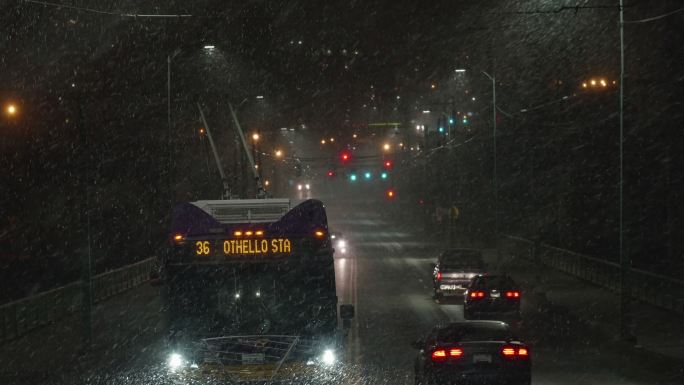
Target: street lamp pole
(495, 177)
(625, 263)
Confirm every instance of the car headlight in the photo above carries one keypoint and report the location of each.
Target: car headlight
(341, 244)
(175, 361)
(299, 187)
(308, 186)
(328, 357)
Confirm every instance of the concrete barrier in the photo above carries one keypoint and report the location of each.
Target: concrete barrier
(655, 289)
(22, 316)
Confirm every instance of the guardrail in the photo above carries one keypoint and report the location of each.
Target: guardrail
(22, 316)
(655, 289)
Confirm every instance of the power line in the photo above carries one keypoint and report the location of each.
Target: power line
(654, 18)
(101, 12)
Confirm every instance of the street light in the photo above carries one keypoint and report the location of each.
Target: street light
(278, 153)
(255, 137)
(11, 109)
(386, 146)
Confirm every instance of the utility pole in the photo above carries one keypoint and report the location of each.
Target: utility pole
(625, 262)
(495, 176)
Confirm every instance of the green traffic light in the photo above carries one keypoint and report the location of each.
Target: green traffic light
(352, 177)
(383, 175)
(367, 175)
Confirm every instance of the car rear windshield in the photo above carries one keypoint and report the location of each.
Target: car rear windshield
(494, 282)
(477, 332)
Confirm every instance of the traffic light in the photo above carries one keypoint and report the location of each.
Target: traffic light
(367, 175)
(345, 156)
(390, 194)
(352, 177)
(387, 164)
(451, 120)
(331, 173)
(383, 175)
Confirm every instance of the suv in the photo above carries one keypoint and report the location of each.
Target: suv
(492, 296)
(454, 270)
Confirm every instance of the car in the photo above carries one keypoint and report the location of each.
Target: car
(454, 270)
(339, 242)
(492, 296)
(483, 352)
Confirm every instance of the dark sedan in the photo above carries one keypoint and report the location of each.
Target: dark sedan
(482, 352)
(492, 296)
(454, 270)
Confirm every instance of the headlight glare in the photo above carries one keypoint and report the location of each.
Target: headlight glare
(328, 357)
(175, 361)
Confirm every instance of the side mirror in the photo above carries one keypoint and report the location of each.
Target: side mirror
(346, 312)
(418, 344)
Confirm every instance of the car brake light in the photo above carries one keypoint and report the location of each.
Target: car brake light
(512, 294)
(178, 237)
(439, 355)
(319, 234)
(508, 351)
(512, 351)
(439, 275)
(455, 352)
(477, 294)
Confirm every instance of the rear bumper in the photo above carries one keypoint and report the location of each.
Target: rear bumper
(451, 287)
(512, 377)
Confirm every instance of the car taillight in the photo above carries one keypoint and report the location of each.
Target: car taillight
(515, 351)
(512, 294)
(439, 275)
(477, 294)
(439, 355)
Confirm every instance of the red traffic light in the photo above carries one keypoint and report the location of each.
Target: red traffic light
(390, 194)
(345, 156)
(331, 173)
(387, 164)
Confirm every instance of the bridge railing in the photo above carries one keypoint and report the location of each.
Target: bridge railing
(24, 315)
(659, 290)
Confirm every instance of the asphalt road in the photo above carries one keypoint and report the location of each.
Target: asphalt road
(385, 273)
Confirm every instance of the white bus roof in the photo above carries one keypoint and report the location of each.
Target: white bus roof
(245, 210)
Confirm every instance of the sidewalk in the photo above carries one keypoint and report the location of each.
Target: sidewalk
(124, 327)
(658, 331)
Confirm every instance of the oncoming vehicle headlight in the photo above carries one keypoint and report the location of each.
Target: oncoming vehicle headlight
(328, 357)
(341, 244)
(175, 361)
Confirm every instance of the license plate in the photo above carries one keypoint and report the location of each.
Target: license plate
(482, 358)
(252, 358)
(448, 287)
(495, 294)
